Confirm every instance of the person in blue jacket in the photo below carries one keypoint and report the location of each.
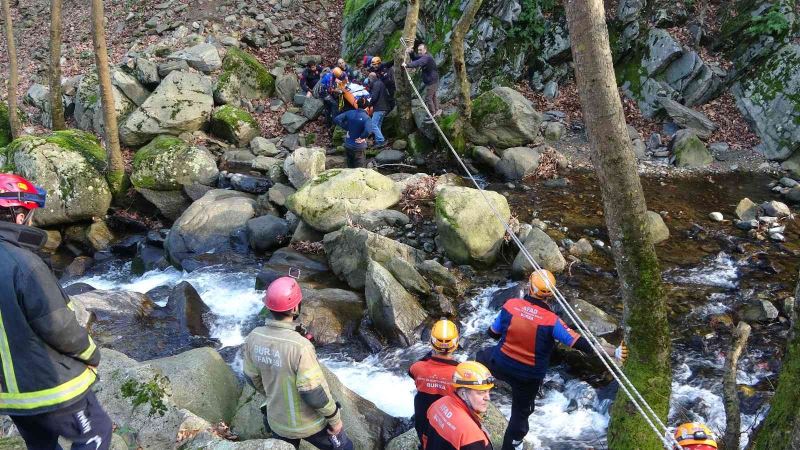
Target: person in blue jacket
(358, 125)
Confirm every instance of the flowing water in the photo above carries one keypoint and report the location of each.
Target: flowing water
(705, 280)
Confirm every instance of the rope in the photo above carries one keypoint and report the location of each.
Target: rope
(667, 440)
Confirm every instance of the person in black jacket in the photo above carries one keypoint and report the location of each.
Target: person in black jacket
(381, 105)
(310, 77)
(49, 362)
(430, 76)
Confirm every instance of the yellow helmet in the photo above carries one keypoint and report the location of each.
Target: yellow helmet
(444, 336)
(695, 434)
(376, 61)
(472, 375)
(337, 72)
(542, 282)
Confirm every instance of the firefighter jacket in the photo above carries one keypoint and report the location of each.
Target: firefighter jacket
(44, 353)
(452, 426)
(283, 365)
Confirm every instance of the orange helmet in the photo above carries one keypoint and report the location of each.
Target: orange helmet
(444, 336)
(542, 283)
(376, 61)
(695, 436)
(472, 375)
(337, 72)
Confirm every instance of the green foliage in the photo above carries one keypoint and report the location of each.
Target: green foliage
(773, 23)
(5, 125)
(151, 393)
(356, 12)
(526, 32)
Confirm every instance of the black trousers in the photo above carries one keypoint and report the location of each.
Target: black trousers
(85, 424)
(355, 158)
(322, 440)
(523, 397)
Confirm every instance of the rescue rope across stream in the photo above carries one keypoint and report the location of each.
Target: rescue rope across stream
(652, 419)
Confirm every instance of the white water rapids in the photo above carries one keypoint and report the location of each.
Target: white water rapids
(569, 413)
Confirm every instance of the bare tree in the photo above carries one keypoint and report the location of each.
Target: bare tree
(403, 92)
(13, 72)
(730, 393)
(116, 167)
(645, 313)
(56, 103)
(463, 86)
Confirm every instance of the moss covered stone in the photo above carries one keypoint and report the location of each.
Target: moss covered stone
(168, 163)
(504, 118)
(243, 76)
(5, 126)
(234, 124)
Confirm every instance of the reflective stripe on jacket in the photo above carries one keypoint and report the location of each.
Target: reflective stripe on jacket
(283, 365)
(44, 352)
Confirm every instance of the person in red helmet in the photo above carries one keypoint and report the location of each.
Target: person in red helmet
(282, 364)
(48, 360)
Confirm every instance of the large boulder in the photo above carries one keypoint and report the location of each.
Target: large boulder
(243, 77)
(168, 163)
(689, 150)
(662, 49)
(129, 86)
(469, 232)
(331, 315)
(182, 102)
(89, 105)
(394, 312)
(235, 125)
(686, 117)
(518, 163)
(350, 251)
(68, 164)
(544, 251)
(293, 122)
(304, 164)
(207, 224)
(203, 57)
(326, 201)
(504, 118)
(267, 232)
(286, 85)
(769, 99)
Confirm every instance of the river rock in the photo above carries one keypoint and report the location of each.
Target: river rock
(117, 314)
(331, 197)
(69, 165)
(544, 251)
(306, 233)
(187, 307)
(304, 164)
(656, 227)
(243, 77)
(518, 163)
(235, 125)
(389, 156)
(485, 156)
(89, 105)
(716, 216)
(279, 193)
(267, 232)
(208, 223)
(286, 85)
(792, 165)
(759, 311)
(598, 322)
(248, 423)
(439, 275)
(203, 57)
(394, 311)
(375, 220)
(331, 315)
(182, 103)
(504, 118)
(689, 150)
(100, 236)
(794, 194)
(688, 118)
(467, 231)
(171, 204)
(168, 163)
(581, 248)
(350, 250)
(775, 209)
(746, 210)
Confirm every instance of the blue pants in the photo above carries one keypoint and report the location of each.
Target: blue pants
(377, 122)
(85, 424)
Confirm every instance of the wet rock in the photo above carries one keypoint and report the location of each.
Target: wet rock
(331, 197)
(53, 241)
(118, 314)
(504, 118)
(794, 194)
(234, 125)
(467, 233)
(439, 275)
(304, 164)
(208, 223)
(775, 209)
(689, 150)
(331, 315)
(746, 210)
(688, 118)
(716, 216)
(518, 163)
(656, 227)
(203, 57)
(544, 251)
(170, 204)
(485, 156)
(581, 248)
(267, 232)
(168, 163)
(393, 310)
(100, 236)
(187, 307)
(759, 311)
(596, 319)
(78, 267)
(788, 182)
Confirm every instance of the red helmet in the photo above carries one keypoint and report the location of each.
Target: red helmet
(283, 294)
(16, 191)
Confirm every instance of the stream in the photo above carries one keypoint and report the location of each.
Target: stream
(709, 270)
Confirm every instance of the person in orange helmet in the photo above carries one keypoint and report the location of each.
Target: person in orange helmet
(695, 436)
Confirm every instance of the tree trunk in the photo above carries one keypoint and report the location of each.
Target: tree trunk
(781, 428)
(13, 72)
(463, 86)
(116, 167)
(56, 102)
(645, 315)
(403, 89)
(730, 394)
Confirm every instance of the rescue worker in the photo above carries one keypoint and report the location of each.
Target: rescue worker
(282, 364)
(381, 106)
(342, 65)
(310, 77)
(430, 76)
(433, 374)
(358, 126)
(695, 436)
(385, 74)
(528, 330)
(49, 362)
(329, 93)
(454, 421)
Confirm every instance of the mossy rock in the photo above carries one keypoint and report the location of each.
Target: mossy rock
(504, 118)
(235, 125)
(12, 443)
(338, 136)
(5, 126)
(168, 163)
(418, 144)
(458, 140)
(243, 76)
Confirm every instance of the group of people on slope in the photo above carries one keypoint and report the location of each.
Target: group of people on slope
(358, 101)
(49, 362)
